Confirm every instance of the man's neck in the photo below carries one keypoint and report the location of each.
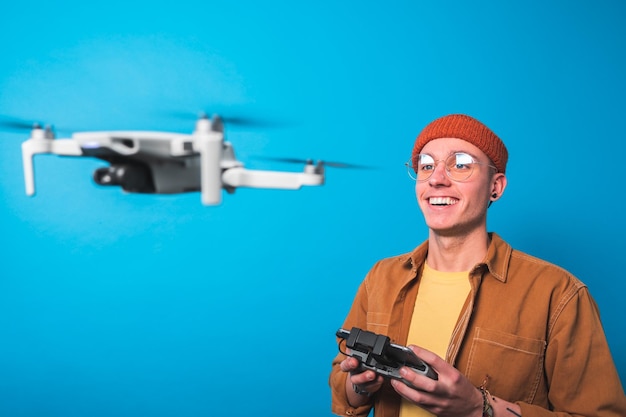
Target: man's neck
(456, 253)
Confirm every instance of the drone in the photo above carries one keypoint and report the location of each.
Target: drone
(152, 162)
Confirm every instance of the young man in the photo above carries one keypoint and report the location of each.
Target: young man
(508, 334)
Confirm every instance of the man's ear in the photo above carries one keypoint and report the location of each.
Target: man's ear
(498, 185)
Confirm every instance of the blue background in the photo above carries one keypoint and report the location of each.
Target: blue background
(125, 305)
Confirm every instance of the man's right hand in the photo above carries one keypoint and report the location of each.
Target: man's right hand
(365, 382)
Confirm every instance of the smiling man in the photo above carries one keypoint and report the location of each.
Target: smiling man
(508, 334)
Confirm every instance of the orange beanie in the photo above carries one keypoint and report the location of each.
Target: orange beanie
(469, 129)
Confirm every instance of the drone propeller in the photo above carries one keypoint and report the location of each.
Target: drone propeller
(8, 123)
(243, 121)
(13, 123)
(310, 161)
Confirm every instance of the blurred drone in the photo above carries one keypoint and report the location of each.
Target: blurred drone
(168, 163)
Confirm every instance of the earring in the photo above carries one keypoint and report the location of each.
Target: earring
(494, 195)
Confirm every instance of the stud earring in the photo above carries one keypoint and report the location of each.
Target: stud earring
(494, 195)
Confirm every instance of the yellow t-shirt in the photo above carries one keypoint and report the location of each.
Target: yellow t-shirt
(439, 302)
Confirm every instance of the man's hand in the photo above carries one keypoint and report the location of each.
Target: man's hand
(452, 395)
(367, 382)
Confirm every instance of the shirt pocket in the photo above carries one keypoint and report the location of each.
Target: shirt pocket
(378, 322)
(512, 365)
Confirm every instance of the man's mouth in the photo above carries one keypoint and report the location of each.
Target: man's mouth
(442, 201)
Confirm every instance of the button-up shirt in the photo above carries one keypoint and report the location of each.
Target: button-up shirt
(528, 327)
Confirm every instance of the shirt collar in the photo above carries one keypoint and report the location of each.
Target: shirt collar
(496, 261)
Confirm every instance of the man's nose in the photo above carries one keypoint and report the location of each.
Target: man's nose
(439, 176)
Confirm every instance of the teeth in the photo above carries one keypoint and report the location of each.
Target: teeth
(442, 201)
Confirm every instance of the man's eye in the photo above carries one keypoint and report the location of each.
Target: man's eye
(426, 163)
(462, 162)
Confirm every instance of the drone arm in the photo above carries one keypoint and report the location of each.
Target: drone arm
(68, 147)
(241, 177)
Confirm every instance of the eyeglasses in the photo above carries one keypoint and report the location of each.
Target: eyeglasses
(459, 166)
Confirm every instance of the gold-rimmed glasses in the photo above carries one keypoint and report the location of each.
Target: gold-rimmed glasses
(459, 166)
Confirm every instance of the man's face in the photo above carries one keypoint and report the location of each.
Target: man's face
(456, 208)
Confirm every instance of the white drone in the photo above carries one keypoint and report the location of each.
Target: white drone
(166, 163)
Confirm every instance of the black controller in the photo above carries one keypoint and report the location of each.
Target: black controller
(376, 352)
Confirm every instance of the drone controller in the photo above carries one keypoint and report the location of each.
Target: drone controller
(376, 353)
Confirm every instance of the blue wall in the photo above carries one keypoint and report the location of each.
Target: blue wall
(114, 304)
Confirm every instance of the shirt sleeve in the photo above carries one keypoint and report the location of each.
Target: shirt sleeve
(357, 317)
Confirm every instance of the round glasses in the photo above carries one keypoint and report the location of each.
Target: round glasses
(459, 166)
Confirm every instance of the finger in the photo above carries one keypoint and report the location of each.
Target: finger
(417, 380)
(402, 389)
(414, 395)
(364, 378)
(369, 386)
(349, 365)
(430, 358)
(427, 356)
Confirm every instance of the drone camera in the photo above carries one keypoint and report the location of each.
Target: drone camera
(131, 177)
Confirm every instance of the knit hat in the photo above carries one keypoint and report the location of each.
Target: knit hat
(469, 129)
